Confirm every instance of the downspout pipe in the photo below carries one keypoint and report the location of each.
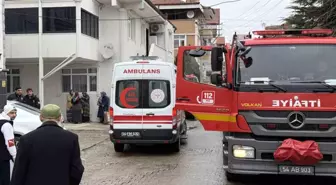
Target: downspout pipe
(41, 63)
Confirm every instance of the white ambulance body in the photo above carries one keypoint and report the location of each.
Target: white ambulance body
(142, 105)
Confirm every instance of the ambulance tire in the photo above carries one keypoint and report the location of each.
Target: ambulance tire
(184, 135)
(189, 116)
(119, 147)
(177, 145)
(231, 177)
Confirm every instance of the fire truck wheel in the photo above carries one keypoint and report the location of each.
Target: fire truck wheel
(177, 145)
(231, 177)
(119, 147)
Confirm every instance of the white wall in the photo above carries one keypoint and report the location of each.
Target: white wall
(53, 85)
(26, 46)
(91, 6)
(113, 32)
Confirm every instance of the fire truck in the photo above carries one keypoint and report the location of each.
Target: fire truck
(274, 101)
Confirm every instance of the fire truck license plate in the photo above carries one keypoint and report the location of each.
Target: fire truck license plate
(296, 170)
(130, 134)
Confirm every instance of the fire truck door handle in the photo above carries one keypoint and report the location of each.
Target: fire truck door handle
(183, 99)
(150, 114)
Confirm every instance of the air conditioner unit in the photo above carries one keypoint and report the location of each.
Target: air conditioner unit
(156, 28)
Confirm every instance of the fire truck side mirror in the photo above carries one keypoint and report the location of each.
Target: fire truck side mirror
(216, 79)
(217, 57)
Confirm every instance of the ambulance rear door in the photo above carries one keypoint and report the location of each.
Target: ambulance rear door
(158, 102)
(127, 105)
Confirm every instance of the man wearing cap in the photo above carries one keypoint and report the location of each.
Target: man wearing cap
(7, 143)
(48, 155)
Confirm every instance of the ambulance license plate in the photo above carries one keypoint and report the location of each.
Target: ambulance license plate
(297, 170)
(130, 134)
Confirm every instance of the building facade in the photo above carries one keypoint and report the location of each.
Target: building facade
(190, 18)
(78, 41)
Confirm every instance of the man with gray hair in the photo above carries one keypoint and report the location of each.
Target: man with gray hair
(48, 155)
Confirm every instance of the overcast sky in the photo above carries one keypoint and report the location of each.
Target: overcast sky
(247, 15)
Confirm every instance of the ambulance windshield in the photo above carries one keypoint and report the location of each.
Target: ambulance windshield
(281, 63)
(143, 94)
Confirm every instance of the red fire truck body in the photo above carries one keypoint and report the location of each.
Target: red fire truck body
(276, 87)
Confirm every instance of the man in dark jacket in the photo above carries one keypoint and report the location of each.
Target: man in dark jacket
(48, 155)
(17, 95)
(31, 99)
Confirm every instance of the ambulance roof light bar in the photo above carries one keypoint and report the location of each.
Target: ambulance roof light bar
(320, 32)
(144, 57)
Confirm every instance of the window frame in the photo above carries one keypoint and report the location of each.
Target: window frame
(7, 10)
(11, 75)
(46, 18)
(87, 74)
(179, 40)
(143, 33)
(131, 24)
(90, 24)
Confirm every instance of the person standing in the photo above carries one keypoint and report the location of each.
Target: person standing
(76, 109)
(104, 104)
(17, 95)
(48, 155)
(7, 143)
(69, 106)
(85, 100)
(31, 99)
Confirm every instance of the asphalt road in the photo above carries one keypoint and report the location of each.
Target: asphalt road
(198, 163)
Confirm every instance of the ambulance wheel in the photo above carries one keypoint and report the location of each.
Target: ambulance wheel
(231, 177)
(177, 145)
(119, 147)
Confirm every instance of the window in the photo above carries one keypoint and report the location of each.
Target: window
(143, 94)
(59, 20)
(131, 28)
(21, 20)
(179, 40)
(13, 80)
(81, 80)
(143, 33)
(198, 69)
(90, 24)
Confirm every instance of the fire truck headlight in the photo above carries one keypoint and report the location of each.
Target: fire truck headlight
(245, 152)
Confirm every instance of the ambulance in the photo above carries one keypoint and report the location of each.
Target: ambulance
(142, 107)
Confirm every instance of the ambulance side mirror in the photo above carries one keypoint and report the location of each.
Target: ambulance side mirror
(217, 58)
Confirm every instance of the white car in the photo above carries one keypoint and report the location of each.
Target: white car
(27, 119)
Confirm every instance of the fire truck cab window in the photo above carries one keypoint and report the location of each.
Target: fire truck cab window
(198, 69)
(285, 63)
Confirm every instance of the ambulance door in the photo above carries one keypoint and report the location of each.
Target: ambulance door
(211, 105)
(157, 101)
(128, 107)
